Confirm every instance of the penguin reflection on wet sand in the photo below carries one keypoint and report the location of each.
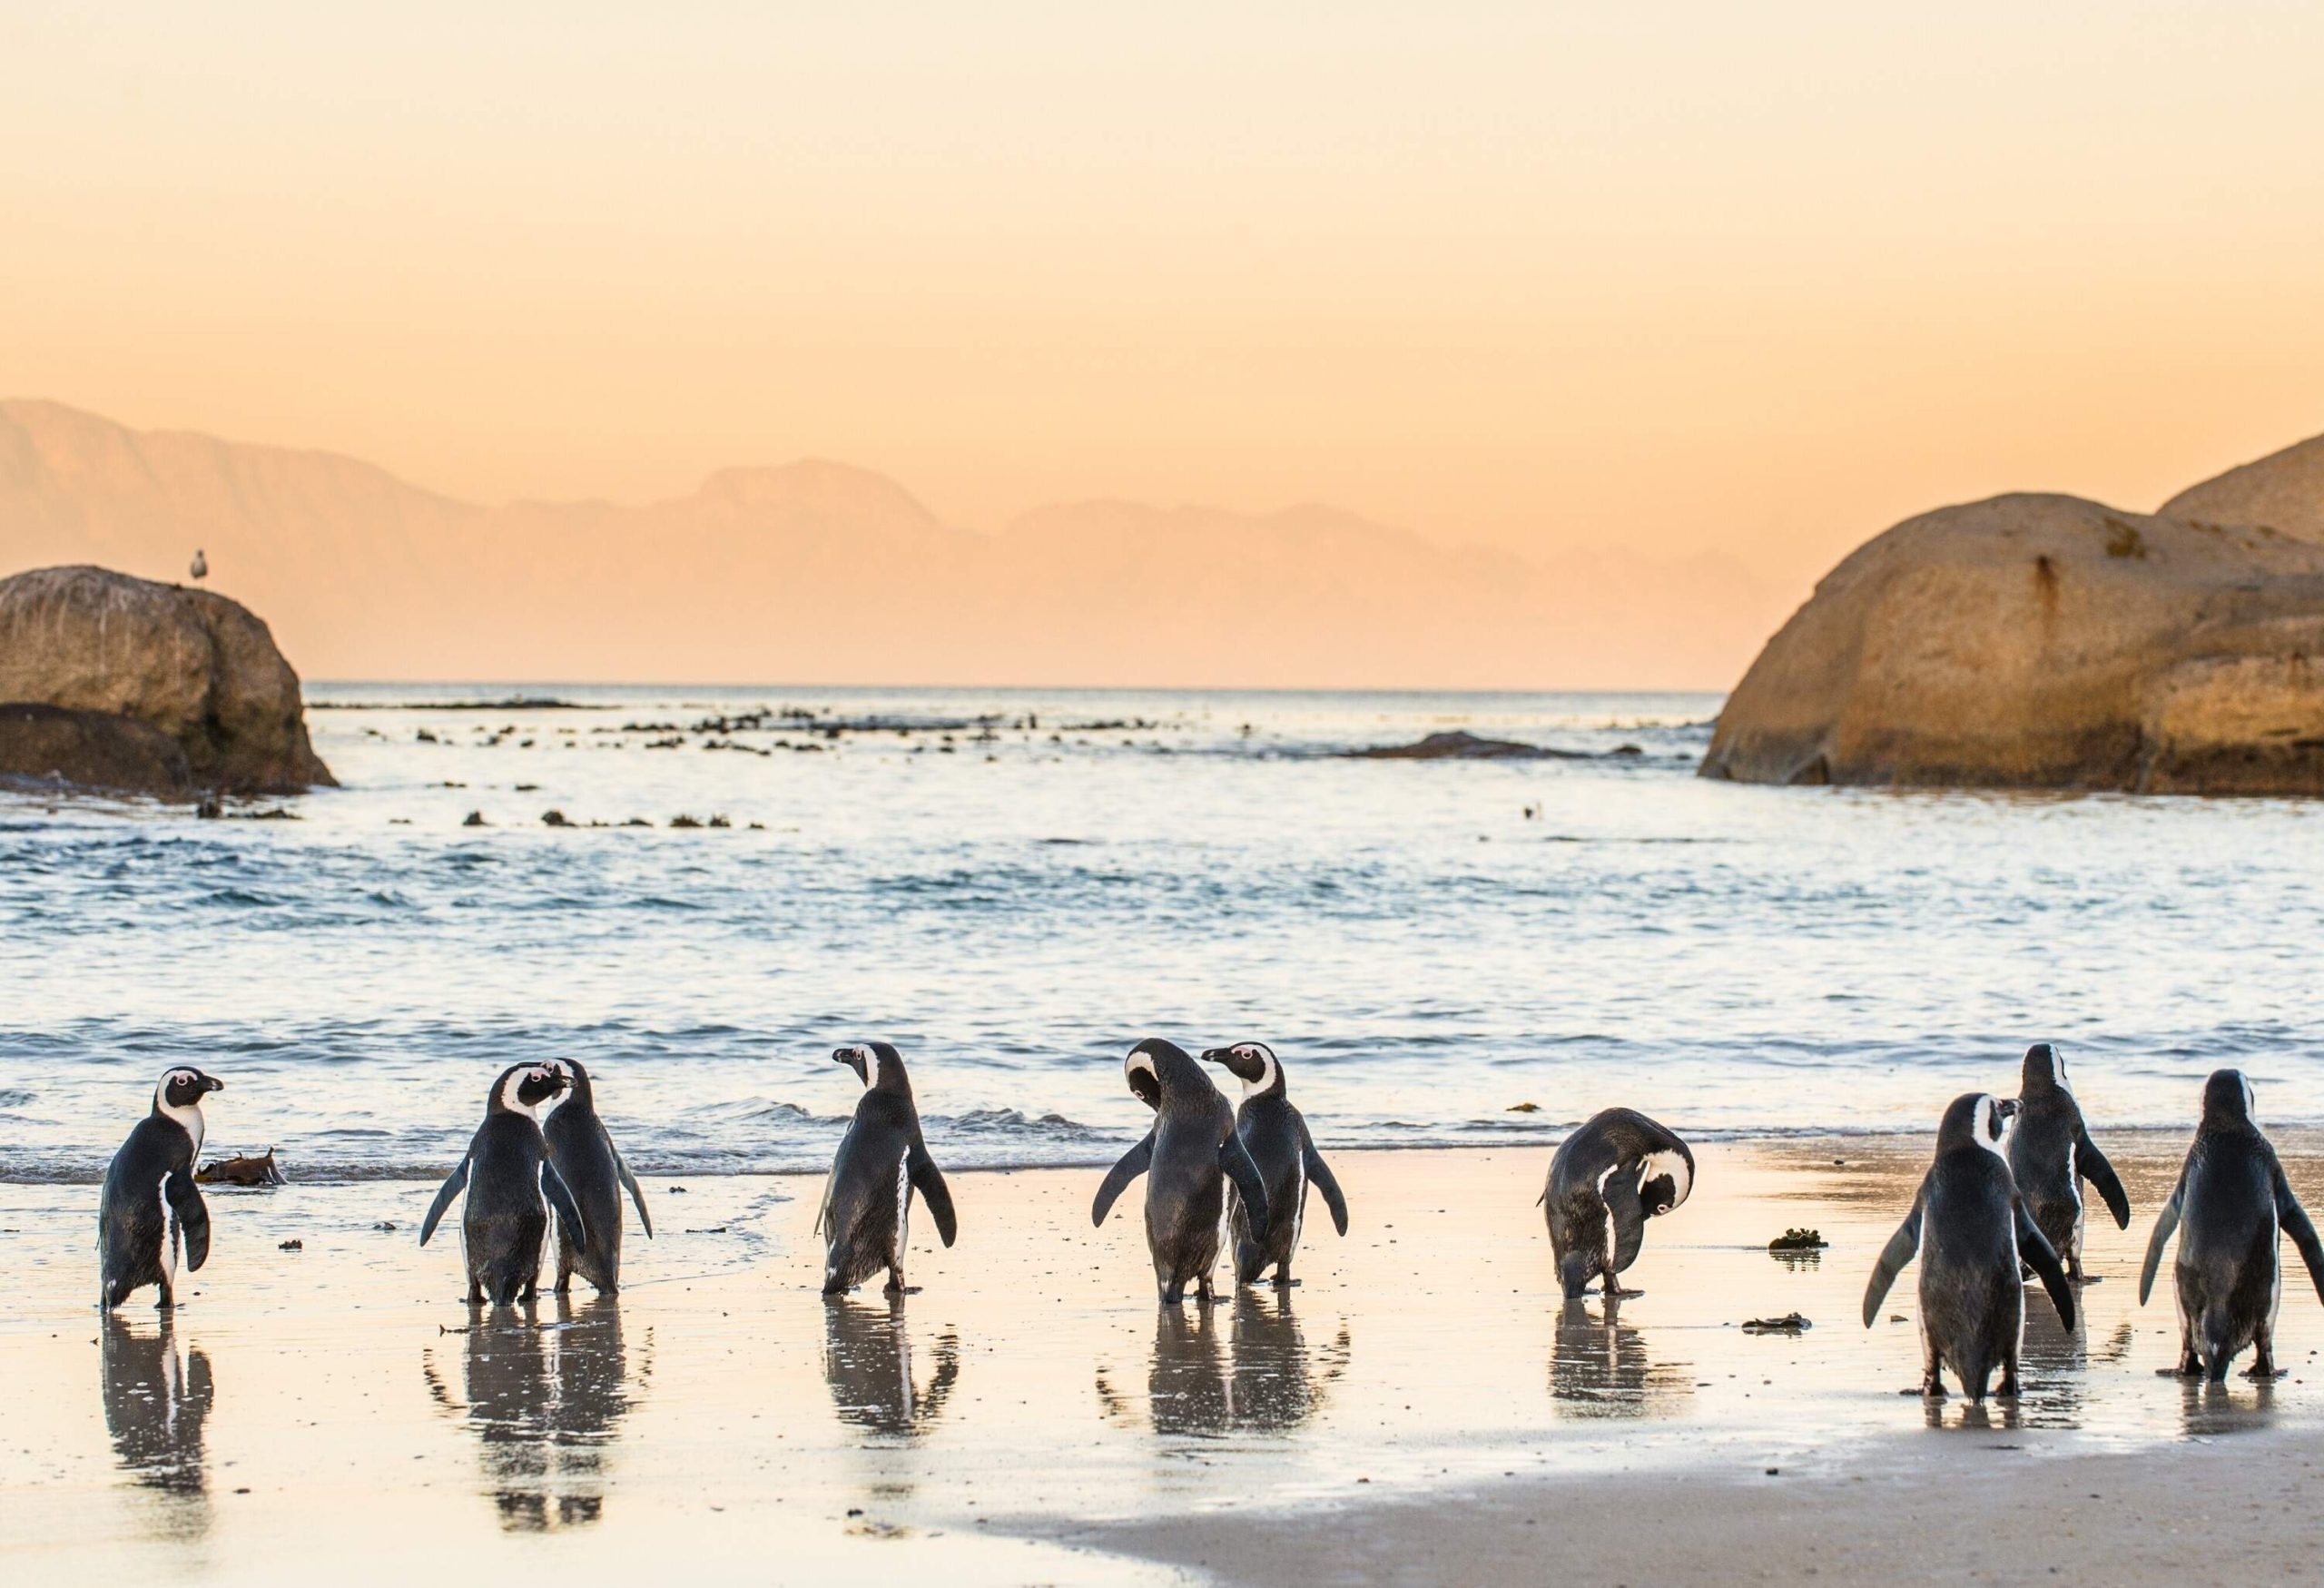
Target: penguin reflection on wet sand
(155, 1406)
(511, 1185)
(1276, 1135)
(150, 1206)
(1599, 1366)
(544, 1404)
(1970, 1229)
(866, 1219)
(1279, 1383)
(593, 1169)
(867, 1363)
(1619, 1170)
(2051, 1154)
(1186, 1157)
(2230, 1208)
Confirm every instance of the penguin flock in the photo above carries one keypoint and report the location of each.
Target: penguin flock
(2002, 1196)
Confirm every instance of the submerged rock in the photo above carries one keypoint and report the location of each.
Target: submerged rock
(193, 666)
(1466, 746)
(2045, 642)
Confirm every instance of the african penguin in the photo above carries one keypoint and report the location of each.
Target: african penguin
(2051, 1154)
(150, 1203)
(593, 1169)
(1274, 1134)
(1970, 1229)
(1619, 1170)
(511, 1185)
(866, 1216)
(1186, 1157)
(2229, 1208)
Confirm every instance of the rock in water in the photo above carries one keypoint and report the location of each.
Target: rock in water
(194, 666)
(2045, 642)
(91, 750)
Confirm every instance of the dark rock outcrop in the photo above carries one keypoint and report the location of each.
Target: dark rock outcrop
(192, 667)
(1466, 746)
(2045, 642)
(91, 750)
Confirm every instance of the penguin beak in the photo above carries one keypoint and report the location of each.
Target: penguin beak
(850, 1058)
(2006, 1108)
(215, 1084)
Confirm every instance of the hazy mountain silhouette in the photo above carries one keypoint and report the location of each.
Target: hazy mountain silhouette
(817, 572)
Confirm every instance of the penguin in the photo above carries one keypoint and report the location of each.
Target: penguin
(1274, 1134)
(2051, 1154)
(881, 1160)
(1970, 1229)
(150, 1204)
(2230, 1204)
(593, 1169)
(1190, 1153)
(1619, 1170)
(507, 1174)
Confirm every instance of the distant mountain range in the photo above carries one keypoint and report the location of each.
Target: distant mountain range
(817, 572)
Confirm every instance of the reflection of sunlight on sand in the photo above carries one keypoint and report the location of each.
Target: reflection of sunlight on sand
(156, 1405)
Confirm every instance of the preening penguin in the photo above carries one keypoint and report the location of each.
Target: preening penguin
(1186, 1157)
(1275, 1136)
(2051, 1154)
(511, 1185)
(2229, 1208)
(1619, 1170)
(150, 1203)
(1970, 1229)
(866, 1215)
(584, 1155)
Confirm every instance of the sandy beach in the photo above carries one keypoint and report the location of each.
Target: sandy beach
(1420, 1409)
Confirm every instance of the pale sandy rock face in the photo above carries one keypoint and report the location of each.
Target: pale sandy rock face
(196, 665)
(2283, 491)
(2045, 642)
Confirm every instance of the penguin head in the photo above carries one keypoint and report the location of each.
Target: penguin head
(876, 1064)
(1156, 1066)
(1576, 1270)
(2045, 1067)
(2227, 1099)
(1252, 1063)
(522, 1089)
(576, 1080)
(184, 1088)
(1976, 1119)
(1665, 1178)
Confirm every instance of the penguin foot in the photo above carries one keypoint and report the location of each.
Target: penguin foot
(2182, 1371)
(1613, 1294)
(1283, 1284)
(1932, 1389)
(2265, 1374)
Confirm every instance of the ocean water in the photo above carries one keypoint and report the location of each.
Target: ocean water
(1014, 885)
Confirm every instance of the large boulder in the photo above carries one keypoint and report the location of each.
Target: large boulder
(2283, 491)
(195, 666)
(2045, 642)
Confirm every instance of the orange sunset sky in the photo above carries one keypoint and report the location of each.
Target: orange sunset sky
(1675, 282)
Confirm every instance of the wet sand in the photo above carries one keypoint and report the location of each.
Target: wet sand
(1421, 1409)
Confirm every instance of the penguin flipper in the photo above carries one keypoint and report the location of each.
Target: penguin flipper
(2035, 1248)
(193, 1216)
(1319, 1175)
(2164, 1224)
(629, 1182)
(1902, 1248)
(1235, 1159)
(1620, 1194)
(2092, 1165)
(928, 1182)
(1134, 1163)
(453, 1184)
(2293, 1217)
(561, 1202)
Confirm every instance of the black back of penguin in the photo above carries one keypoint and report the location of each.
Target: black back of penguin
(1274, 1134)
(2230, 1206)
(511, 1187)
(882, 1161)
(583, 1152)
(2051, 1154)
(1616, 1172)
(1185, 1157)
(150, 1206)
